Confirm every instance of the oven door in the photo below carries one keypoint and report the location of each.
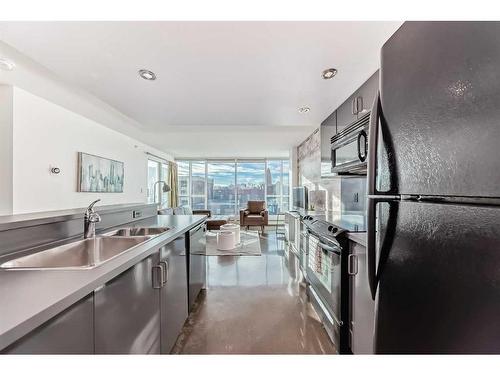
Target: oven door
(349, 153)
(324, 273)
(324, 277)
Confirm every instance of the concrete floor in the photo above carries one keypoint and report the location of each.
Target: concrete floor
(254, 305)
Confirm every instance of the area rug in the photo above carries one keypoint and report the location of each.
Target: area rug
(250, 244)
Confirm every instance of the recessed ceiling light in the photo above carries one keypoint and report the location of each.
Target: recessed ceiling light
(147, 74)
(6, 64)
(304, 109)
(329, 73)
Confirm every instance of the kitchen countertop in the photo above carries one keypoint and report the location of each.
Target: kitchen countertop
(29, 298)
(8, 222)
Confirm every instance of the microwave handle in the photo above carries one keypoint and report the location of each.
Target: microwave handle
(362, 135)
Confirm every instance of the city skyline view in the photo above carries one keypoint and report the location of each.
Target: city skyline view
(230, 185)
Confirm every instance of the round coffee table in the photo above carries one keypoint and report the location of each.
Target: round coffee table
(235, 228)
(225, 240)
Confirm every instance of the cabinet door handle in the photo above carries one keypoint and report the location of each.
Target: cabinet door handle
(164, 272)
(353, 106)
(154, 273)
(352, 264)
(359, 104)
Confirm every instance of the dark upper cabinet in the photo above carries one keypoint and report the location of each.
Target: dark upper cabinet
(366, 94)
(358, 103)
(70, 332)
(346, 114)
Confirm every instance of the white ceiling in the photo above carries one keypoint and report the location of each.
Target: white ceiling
(223, 88)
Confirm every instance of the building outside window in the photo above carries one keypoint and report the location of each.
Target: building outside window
(221, 181)
(225, 186)
(198, 185)
(184, 182)
(251, 182)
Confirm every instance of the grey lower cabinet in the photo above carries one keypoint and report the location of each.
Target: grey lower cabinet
(127, 311)
(174, 292)
(70, 332)
(141, 311)
(362, 312)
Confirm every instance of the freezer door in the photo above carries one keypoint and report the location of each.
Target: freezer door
(439, 278)
(440, 109)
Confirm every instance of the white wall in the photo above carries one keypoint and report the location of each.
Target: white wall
(45, 135)
(6, 123)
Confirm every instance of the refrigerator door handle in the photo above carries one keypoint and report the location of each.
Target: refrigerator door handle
(370, 247)
(372, 146)
(371, 191)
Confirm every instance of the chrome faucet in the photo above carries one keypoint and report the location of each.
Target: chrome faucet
(90, 218)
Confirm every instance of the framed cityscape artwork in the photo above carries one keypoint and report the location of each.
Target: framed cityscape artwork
(99, 175)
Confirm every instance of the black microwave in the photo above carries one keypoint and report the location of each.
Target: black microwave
(349, 148)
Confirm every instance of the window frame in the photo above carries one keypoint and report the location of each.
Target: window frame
(157, 193)
(282, 197)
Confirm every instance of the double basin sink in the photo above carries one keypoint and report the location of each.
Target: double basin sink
(87, 253)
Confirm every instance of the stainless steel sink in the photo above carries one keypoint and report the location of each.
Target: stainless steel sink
(83, 254)
(137, 231)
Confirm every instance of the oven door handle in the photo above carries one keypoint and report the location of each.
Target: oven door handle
(329, 248)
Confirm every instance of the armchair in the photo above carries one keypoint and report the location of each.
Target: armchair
(255, 214)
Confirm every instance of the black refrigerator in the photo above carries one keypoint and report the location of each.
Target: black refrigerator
(434, 190)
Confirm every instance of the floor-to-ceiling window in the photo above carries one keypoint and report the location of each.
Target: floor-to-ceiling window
(184, 184)
(157, 177)
(274, 182)
(198, 185)
(250, 178)
(225, 186)
(285, 186)
(221, 187)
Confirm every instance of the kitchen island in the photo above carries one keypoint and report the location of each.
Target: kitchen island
(31, 298)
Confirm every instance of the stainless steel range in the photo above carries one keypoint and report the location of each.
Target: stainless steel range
(326, 273)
